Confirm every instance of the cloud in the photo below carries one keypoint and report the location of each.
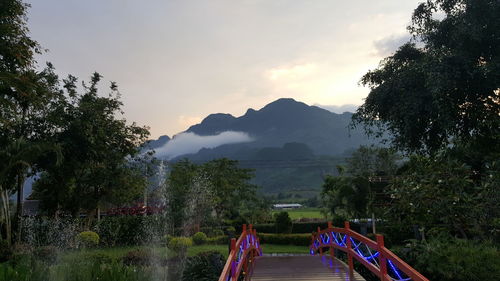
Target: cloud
(339, 109)
(388, 45)
(186, 143)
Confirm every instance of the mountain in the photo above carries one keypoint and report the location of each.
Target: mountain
(293, 145)
(285, 121)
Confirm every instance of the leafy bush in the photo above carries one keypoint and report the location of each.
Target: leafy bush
(449, 259)
(180, 244)
(98, 258)
(205, 266)
(141, 257)
(285, 239)
(47, 254)
(283, 223)
(231, 230)
(87, 239)
(219, 240)
(199, 238)
(217, 233)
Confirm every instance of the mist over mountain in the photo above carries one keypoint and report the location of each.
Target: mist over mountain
(290, 144)
(282, 121)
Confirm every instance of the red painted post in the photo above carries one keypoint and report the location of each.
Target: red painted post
(233, 262)
(244, 228)
(320, 248)
(347, 227)
(332, 253)
(381, 258)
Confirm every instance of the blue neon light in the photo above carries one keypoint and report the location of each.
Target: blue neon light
(395, 270)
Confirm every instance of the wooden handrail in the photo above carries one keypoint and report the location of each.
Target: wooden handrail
(241, 259)
(386, 258)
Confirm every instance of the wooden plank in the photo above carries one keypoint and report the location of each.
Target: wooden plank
(307, 268)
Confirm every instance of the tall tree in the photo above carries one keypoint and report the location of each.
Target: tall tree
(98, 148)
(27, 96)
(446, 89)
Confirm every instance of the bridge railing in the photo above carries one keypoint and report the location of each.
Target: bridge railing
(371, 254)
(241, 259)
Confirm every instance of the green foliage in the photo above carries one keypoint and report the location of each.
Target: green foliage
(283, 223)
(87, 239)
(347, 196)
(199, 238)
(449, 258)
(217, 233)
(47, 254)
(218, 240)
(180, 244)
(99, 150)
(441, 192)
(205, 266)
(445, 90)
(131, 230)
(285, 239)
(139, 257)
(5, 251)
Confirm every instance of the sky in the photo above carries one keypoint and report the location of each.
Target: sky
(178, 61)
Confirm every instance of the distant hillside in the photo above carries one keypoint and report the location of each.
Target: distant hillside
(285, 121)
(293, 145)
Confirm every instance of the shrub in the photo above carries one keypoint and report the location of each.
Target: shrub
(98, 258)
(219, 240)
(180, 244)
(167, 238)
(449, 259)
(205, 266)
(231, 230)
(141, 257)
(285, 239)
(47, 254)
(283, 223)
(217, 233)
(199, 238)
(87, 239)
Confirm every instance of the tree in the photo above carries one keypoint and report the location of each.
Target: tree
(217, 189)
(27, 96)
(446, 90)
(98, 150)
(439, 193)
(283, 223)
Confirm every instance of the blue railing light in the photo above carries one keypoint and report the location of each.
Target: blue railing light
(395, 270)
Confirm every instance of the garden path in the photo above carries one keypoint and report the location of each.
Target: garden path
(295, 268)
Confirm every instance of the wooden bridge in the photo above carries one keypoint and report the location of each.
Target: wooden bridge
(246, 260)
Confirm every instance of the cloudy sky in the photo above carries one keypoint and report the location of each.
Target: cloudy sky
(178, 61)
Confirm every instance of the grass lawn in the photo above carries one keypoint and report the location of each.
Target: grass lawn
(296, 214)
(119, 252)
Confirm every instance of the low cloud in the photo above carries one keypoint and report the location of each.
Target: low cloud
(339, 109)
(186, 143)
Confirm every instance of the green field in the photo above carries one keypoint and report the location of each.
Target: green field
(308, 213)
(119, 252)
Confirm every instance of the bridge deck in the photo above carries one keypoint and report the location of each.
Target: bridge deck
(297, 268)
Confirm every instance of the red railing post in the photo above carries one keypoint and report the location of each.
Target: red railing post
(381, 257)
(244, 228)
(233, 262)
(332, 251)
(320, 241)
(349, 248)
